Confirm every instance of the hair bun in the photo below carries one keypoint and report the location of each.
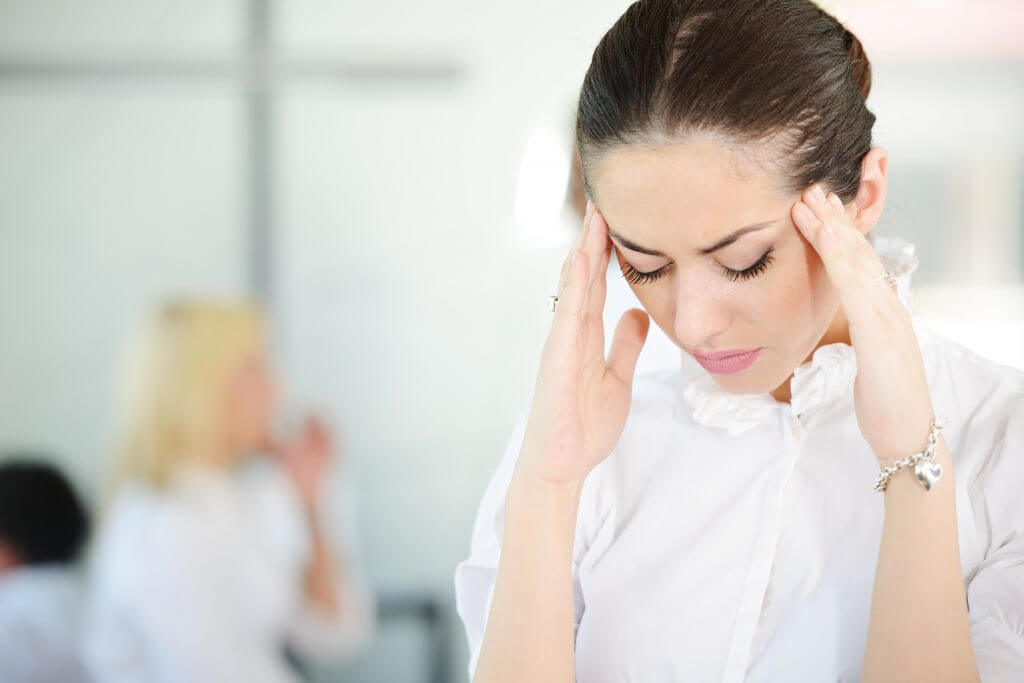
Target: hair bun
(858, 61)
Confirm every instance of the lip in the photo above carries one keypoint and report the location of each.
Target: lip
(728, 362)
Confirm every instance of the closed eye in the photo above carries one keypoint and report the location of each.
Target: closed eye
(754, 270)
(637, 277)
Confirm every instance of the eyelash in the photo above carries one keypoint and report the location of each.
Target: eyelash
(638, 278)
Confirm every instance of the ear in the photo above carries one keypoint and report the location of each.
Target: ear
(870, 199)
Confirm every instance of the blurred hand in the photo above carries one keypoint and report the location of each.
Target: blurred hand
(581, 401)
(307, 457)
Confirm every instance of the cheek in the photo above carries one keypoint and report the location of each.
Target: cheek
(252, 400)
(260, 398)
(804, 290)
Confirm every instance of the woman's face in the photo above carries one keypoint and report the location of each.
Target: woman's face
(766, 289)
(251, 398)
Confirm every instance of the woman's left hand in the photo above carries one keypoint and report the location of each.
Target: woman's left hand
(307, 457)
(891, 396)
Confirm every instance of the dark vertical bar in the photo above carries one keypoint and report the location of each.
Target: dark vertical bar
(441, 667)
(259, 149)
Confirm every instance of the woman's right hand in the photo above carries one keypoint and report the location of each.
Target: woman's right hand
(581, 400)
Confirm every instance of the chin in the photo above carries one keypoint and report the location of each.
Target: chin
(737, 385)
(754, 380)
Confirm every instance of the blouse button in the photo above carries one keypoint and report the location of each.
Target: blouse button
(794, 423)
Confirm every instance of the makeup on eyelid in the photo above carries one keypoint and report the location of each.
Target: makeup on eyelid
(638, 277)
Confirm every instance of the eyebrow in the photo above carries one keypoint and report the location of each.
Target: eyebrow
(720, 244)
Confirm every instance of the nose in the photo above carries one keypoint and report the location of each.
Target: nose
(700, 315)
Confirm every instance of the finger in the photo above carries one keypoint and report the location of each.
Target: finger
(594, 305)
(576, 245)
(829, 209)
(875, 294)
(627, 343)
(808, 223)
(595, 246)
(847, 232)
(819, 213)
(854, 239)
(569, 311)
(839, 222)
(811, 212)
(849, 259)
(598, 291)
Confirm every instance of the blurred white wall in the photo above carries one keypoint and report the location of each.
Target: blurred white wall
(407, 289)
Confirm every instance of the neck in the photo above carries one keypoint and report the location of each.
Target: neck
(838, 331)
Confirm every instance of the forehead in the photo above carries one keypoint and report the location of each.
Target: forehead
(691, 192)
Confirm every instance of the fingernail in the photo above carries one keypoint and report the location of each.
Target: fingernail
(804, 213)
(817, 193)
(836, 201)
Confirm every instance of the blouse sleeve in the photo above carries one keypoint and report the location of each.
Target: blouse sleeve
(475, 576)
(319, 634)
(311, 630)
(995, 593)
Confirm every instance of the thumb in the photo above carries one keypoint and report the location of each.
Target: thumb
(628, 341)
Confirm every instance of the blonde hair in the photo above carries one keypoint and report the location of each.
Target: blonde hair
(172, 383)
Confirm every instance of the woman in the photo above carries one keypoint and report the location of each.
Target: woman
(718, 521)
(212, 565)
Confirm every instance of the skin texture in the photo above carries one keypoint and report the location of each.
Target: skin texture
(820, 287)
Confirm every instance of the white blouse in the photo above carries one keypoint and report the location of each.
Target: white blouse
(734, 537)
(40, 611)
(204, 582)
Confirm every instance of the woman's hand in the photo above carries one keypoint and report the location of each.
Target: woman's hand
(891, 395)
(580, 401)
(306, 458)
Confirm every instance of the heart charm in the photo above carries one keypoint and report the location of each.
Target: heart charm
(927, 473)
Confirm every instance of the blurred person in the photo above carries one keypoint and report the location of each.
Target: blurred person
(717, 521)
(212, 563)
(43, 526)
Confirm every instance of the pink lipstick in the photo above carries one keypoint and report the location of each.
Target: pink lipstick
(728, 362)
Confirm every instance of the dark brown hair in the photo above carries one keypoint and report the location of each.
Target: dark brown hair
(781, 80)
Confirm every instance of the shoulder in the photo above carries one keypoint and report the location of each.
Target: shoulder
(140, 512)
(147, 530)
(47, 590)
(952, 365)
(983, 401)
(970, 390)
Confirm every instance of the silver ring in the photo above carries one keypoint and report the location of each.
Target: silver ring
(889, 276)
(552, 300)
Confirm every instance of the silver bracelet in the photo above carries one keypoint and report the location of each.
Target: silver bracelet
(926, 471)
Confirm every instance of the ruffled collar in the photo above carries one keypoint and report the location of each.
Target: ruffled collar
(826, 377)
